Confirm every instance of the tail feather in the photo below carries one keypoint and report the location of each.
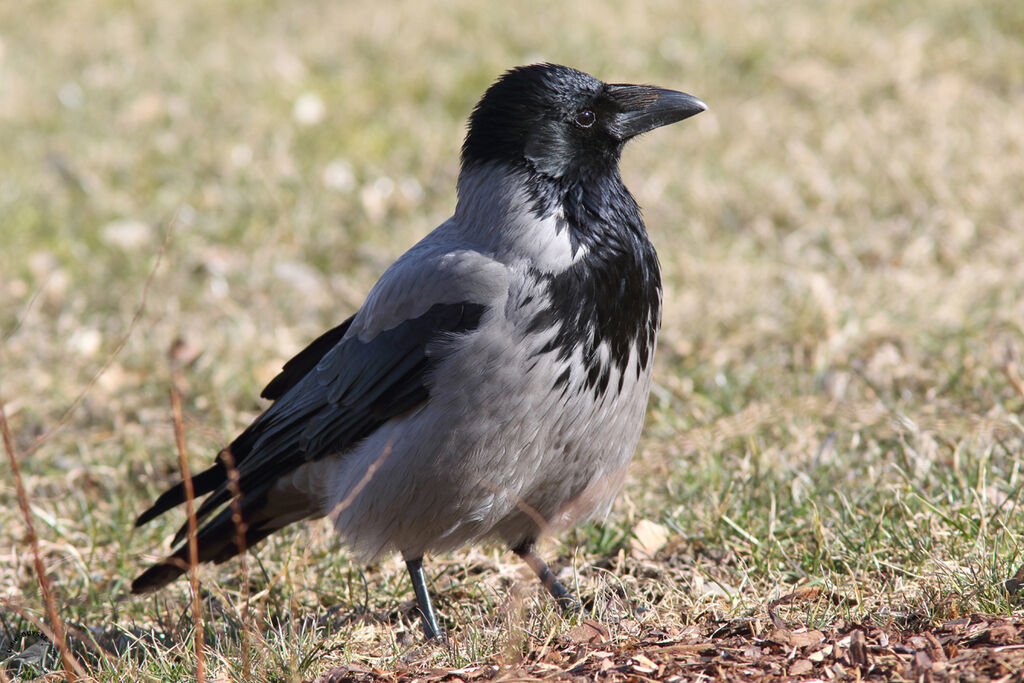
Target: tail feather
(208, 480)
(202, 483)
(217, 542)
(217, 537)
(171, 567)
(276, 431)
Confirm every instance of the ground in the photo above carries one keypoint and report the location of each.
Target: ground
(974, 649)
(192, 191)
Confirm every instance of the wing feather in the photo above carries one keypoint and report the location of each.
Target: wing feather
(354, 388)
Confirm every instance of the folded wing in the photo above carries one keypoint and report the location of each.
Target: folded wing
(328, 398)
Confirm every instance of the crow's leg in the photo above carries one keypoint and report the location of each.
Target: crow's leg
(430, 627)
(559, 592)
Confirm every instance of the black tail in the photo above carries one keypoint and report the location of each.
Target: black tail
(202, 483)
(173, 566)
(220, 539)
(218, 533)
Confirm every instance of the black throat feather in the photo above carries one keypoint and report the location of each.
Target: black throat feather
(611, 294)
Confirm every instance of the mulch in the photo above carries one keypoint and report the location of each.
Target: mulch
(974, 649)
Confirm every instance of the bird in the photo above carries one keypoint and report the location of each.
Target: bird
(494, 383)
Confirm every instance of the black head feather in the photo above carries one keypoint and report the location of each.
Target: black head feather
(563, 123)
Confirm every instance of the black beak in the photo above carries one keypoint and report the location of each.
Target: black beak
(645, 108)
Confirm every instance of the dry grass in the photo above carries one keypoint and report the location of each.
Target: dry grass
(839, 387)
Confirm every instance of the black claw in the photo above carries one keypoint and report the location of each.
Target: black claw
(568, 604)
(426, 609)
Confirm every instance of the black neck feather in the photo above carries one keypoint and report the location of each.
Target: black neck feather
(612, 293)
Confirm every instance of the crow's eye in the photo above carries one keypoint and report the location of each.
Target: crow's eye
(585, 119)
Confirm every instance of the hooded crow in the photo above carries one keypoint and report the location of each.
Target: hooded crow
(494, 383)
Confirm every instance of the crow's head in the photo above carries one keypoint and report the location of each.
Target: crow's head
(566, 124)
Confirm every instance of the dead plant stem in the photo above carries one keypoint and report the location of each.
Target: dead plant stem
(193, 545)
(71, 668)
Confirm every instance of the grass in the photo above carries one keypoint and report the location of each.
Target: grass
(838, 392)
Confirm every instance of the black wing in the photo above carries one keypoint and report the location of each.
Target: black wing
(292, 372)
(304, 361)
(352, 389)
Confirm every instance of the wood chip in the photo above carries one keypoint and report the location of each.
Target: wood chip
(801, 638)
(1004, 633)
(800, 666)
(589, 632)
(752, 652)
(858, 649)
(819, 655)
(644, 665)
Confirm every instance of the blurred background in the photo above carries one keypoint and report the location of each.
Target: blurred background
(842, 237)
